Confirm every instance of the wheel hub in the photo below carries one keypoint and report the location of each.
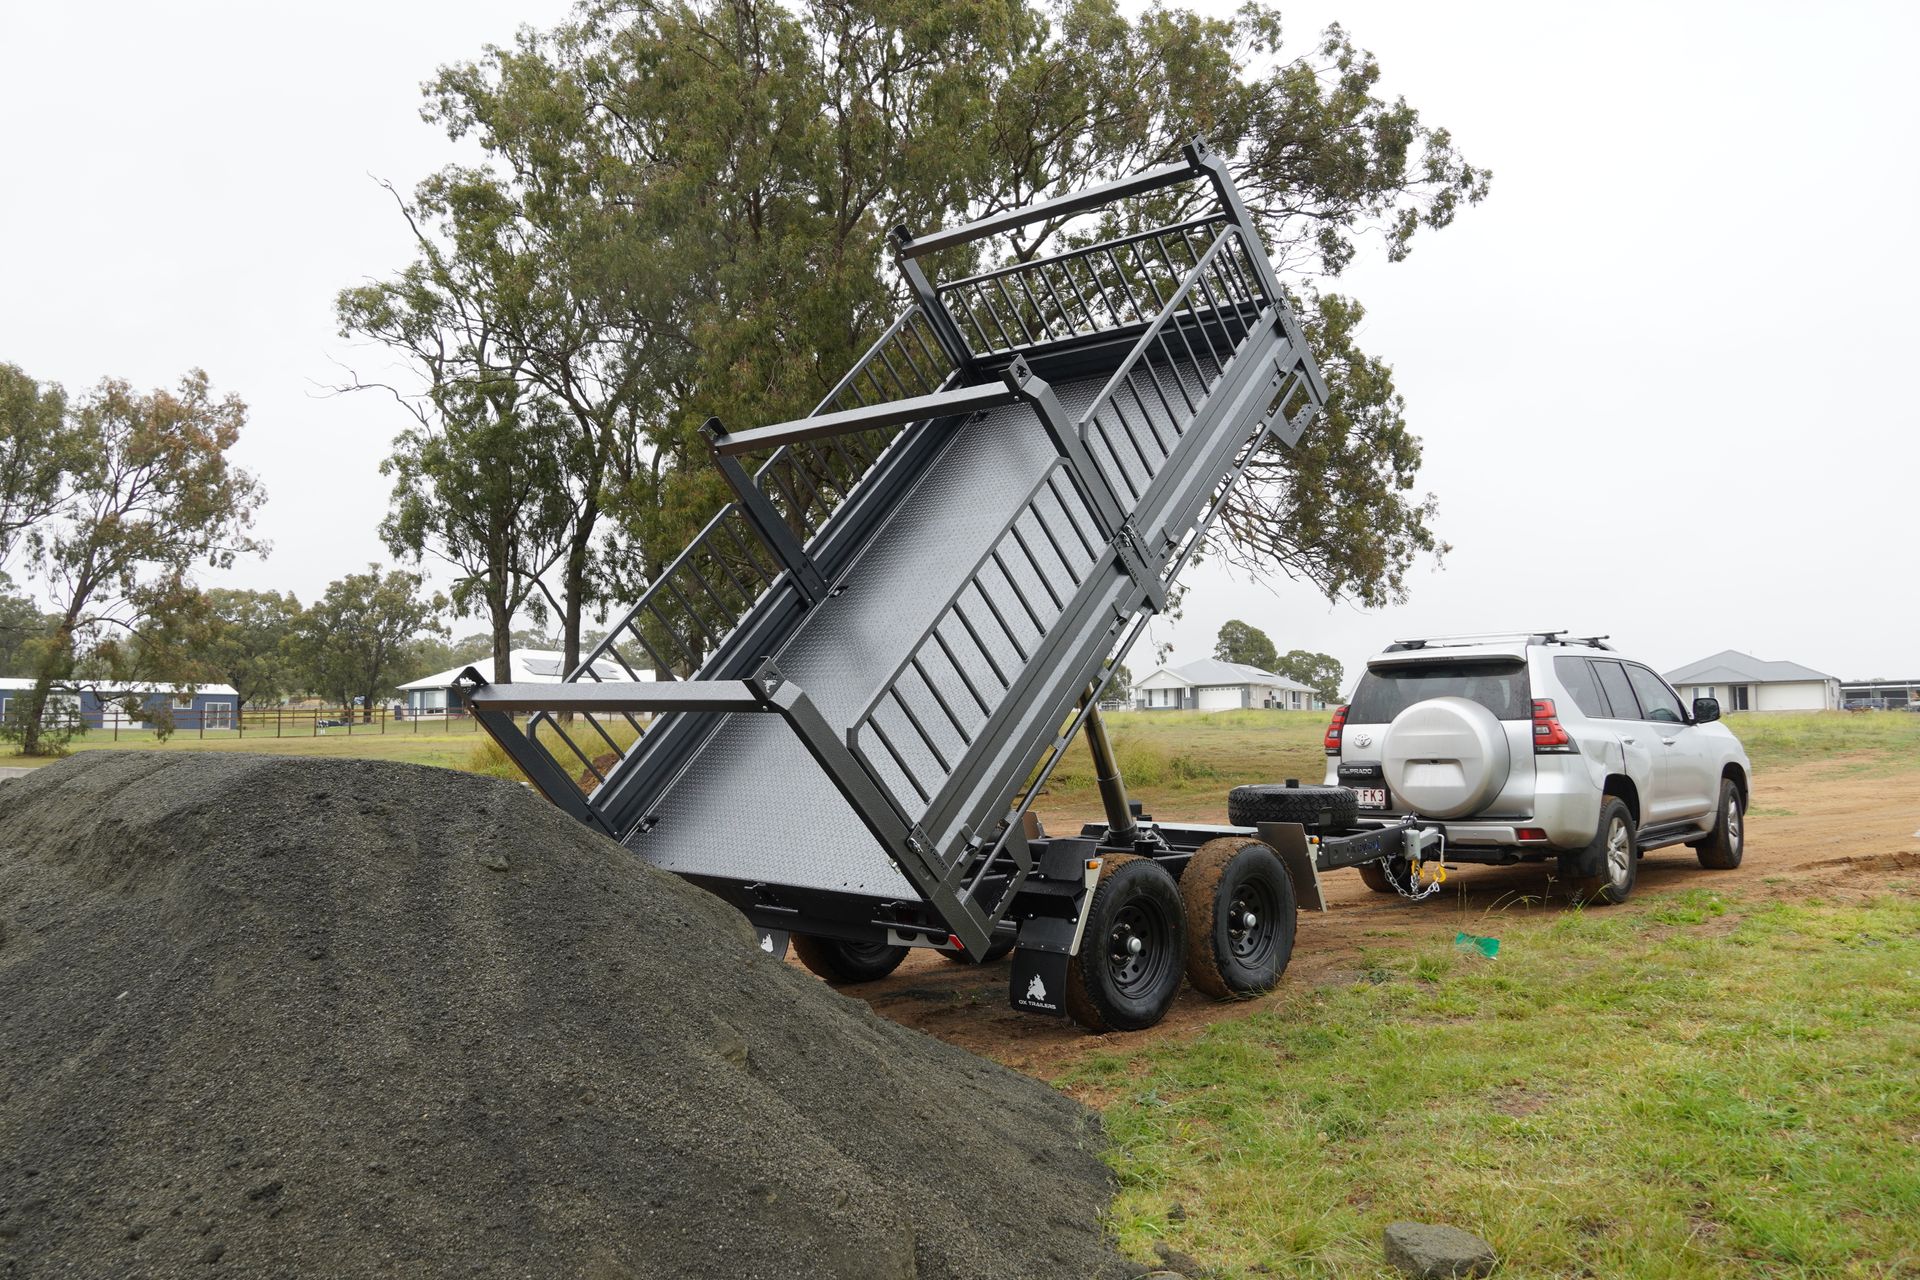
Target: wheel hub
(1250, 927)
(1138, 948)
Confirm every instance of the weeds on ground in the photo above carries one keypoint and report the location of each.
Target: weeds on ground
(1621, 1093)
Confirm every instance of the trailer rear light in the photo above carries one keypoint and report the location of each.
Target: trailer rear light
(1550, 737)
(1531, 833)
(1333, 730)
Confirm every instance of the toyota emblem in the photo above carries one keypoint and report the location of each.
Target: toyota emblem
(1362, 739)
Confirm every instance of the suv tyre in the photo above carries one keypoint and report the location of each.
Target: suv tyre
(1616, 850)
(1389, 875)
(1722, 850)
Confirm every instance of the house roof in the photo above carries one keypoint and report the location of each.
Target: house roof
(525, 666)
(108, 689)
(1214, 672)
(1730, 666)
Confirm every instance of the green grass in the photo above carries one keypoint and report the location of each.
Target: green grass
(430, 746)
(1798, 737)
(1182, 763)
(1689, 1088)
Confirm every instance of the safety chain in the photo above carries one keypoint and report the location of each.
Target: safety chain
(1417, 871)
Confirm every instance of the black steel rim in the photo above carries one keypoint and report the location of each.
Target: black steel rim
(1253, 922)
(1138, 970)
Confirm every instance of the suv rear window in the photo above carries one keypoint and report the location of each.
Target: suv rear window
(1385, 691)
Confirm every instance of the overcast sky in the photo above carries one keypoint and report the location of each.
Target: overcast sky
(1663, 374)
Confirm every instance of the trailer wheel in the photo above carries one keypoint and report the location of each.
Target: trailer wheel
(1309, 805)
(1133, 951)
(998, 950)
(843, 963)
(1241, 912)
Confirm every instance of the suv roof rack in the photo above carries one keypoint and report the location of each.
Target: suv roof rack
(1485, 637)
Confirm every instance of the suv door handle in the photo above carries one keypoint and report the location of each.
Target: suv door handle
(1668, 741)
(1628, 741)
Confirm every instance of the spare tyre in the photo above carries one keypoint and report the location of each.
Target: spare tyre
(1445, 757)
(1308, 805)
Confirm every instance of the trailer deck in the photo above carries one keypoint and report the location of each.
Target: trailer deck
(868, 661)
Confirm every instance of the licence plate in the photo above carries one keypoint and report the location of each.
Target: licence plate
(1371, 797)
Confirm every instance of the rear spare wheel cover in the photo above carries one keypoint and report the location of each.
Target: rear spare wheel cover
(1445, 757)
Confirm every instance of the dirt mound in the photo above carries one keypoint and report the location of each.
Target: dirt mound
(301, 1017)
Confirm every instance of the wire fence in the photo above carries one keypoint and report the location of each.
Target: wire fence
(284, 722)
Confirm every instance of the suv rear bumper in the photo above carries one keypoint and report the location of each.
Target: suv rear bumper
(1566, 815)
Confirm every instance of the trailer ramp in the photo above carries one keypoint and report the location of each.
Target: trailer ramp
(865, 663)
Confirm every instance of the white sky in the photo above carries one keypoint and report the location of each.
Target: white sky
(1664, 373)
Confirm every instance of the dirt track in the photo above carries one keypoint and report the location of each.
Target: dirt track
(1841, 825)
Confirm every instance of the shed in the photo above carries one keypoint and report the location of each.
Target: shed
(103, 704)
(1213, 685)
(1743, 682)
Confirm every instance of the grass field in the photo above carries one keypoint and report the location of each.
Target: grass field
(1179, 760)
(1686, 1087)
(430, 746)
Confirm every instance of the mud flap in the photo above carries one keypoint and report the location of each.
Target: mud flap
(772, 941)
(1038, 982)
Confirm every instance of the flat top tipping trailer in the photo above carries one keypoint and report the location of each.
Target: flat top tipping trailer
(869, 661)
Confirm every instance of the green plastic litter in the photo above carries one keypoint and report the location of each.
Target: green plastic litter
(1488, 947)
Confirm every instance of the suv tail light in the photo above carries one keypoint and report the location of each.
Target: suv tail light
(1333, 730)
(1550, 737)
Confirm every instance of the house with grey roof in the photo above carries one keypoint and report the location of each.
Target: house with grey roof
(1213, 685)
(1743, 682)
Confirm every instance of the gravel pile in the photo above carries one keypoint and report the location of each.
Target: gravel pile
(267, 1016)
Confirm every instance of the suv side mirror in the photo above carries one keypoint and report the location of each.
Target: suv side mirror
(1706, 710)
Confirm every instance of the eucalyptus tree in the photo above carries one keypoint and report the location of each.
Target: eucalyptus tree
(685, 207)
(148, 494)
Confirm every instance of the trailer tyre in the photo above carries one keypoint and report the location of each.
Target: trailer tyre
(1133, 951)
(844, 963)
(1241, 913)
(1310, 806)
(1723, 850)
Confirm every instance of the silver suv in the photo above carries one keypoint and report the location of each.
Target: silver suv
(1538, 746)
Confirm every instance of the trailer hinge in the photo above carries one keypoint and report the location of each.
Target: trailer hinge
(918, 842)
(1134, 558)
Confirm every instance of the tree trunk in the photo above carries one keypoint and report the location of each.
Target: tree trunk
(574, 589)
(502, 629)
(59, 654)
